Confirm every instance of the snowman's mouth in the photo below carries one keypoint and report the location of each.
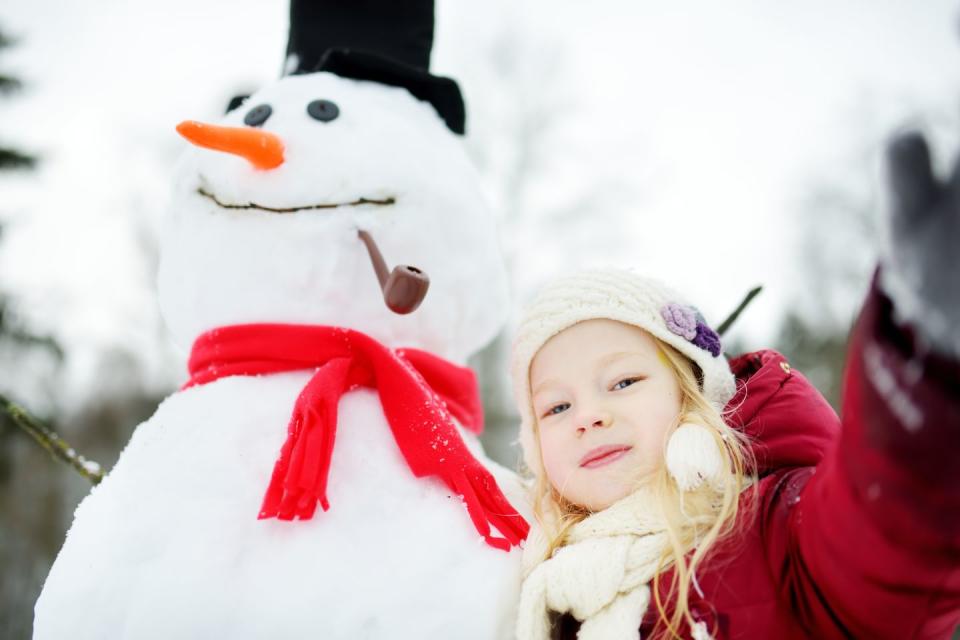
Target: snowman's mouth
(332, 205)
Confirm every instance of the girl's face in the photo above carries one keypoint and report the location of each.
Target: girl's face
(604, 397)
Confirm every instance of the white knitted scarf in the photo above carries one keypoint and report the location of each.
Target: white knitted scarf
(601, 576)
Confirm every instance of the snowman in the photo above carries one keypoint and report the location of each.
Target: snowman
(318, 475)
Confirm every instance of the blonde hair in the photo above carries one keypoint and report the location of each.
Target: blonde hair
(695, 520)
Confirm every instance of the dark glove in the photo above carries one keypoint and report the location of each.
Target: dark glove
(921, 271)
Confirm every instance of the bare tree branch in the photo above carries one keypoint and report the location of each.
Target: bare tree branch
(726, 324)
(56, 446)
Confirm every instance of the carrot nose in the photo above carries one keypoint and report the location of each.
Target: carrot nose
(263, 149)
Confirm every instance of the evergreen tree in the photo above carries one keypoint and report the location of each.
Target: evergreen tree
(25, 550)
(11, 158)
(14, 336)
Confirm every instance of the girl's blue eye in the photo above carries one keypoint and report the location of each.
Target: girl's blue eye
(557, 408)
(626, 382)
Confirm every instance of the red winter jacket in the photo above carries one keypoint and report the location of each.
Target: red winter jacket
(855, 532)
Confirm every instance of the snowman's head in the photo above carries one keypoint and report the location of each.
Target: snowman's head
(266, 229)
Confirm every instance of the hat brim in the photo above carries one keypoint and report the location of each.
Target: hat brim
(442, 93)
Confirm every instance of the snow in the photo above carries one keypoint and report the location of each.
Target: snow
(169, 544)
(885, 382)
(902, 279)
(90, 466)
(231, 266)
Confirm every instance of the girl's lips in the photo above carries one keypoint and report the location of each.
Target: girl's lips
(604, 455)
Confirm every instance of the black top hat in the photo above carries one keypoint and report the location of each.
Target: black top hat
(387, 41)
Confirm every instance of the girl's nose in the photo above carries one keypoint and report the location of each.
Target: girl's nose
(594, 420)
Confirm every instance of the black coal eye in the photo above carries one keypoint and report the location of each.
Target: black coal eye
(323, 110)
(258, 115)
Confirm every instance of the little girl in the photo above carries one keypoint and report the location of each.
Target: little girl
(687, 496)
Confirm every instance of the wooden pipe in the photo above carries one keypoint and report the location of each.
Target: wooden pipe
(404, 287)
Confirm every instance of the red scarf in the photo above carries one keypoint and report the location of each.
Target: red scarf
(418, 392)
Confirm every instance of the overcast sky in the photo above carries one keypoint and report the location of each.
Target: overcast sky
(682, 136)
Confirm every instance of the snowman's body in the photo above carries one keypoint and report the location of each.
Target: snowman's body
(169, 545)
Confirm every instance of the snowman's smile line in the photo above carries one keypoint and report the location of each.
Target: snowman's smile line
(250, 205)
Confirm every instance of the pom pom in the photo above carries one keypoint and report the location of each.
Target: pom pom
(693, 456)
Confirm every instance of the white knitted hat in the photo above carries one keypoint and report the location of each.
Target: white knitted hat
(627, 297)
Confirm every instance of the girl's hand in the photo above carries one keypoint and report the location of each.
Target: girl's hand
(922, 268)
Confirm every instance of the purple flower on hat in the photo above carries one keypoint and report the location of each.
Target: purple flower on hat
(680, 320)
(707, 339)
